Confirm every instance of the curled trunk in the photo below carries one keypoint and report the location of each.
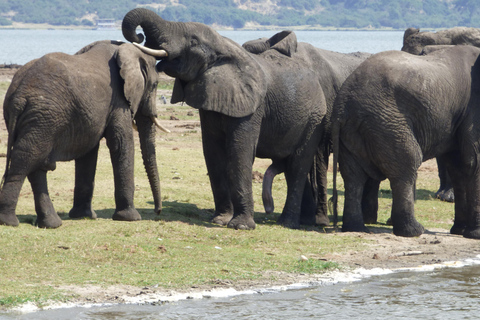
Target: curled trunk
(148, 20)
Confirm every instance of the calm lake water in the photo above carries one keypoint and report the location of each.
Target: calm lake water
(442, 293)
(21, 46)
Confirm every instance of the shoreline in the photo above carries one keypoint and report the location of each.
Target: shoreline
(306, 281)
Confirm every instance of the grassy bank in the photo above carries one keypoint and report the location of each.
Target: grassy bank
(179, 249)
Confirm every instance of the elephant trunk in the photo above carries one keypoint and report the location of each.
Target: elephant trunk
(146, 132)
(150, 22)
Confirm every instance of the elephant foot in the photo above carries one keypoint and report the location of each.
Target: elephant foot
(130, 214)
(350, 227)
(242, 223)
(458, 229)
(222, 219)
(9, 220)
(445, 195)
(413, 229)
(79, 213)
(48, 221)
(288, 222)
(370, 218)
(321, 219)
(472, 233)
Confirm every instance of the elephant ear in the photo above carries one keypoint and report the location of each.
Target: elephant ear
(133, 69)
(234, 86)
(284, 42)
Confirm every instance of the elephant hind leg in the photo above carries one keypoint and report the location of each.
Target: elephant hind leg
(8, 199)
(84, 184)
(47, 217)
(403, 218)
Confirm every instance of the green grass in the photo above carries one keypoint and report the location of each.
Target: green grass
(178, 249)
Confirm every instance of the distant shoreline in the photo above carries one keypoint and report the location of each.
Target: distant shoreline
(45, 26)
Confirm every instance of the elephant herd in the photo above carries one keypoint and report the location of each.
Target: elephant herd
(382, 115)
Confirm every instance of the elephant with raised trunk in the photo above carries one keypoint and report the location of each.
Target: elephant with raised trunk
(59, 106)
(397, 110)
(270, 104)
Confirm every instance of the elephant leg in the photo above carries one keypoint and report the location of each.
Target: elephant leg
(403, 219)
(445, 192)
(472, 229)
(455, 171)
(47, 217)
(23, 158)
(119, 138)
(274, 169)
(213, 141)
(84, 184)
(308, 204)
(241, 140)
(370, 201)
(9, 198)
(354, 178)
(321, 166)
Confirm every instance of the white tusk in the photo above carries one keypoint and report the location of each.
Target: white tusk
(157, 123)
(152, 52)
(134, 125)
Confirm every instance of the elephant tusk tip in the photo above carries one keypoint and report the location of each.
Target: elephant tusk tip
(159, 126)
(152, 52)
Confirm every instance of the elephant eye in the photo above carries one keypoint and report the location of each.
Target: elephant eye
(194, 42)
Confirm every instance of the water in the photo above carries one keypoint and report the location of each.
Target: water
(442, 293)
(21, 46)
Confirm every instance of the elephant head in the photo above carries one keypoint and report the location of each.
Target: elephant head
(200, 58)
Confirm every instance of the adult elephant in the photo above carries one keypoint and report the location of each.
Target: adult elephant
(416, 42)
(58, 107)
(333, 70)
(269, 105)
(397, 110)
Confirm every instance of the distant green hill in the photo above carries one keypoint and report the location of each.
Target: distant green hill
(398, 14)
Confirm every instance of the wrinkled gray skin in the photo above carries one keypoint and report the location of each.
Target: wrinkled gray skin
(397, 110)
(269, 105)
(58, 107)
(417, 42)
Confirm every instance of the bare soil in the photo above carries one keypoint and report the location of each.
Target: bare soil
(384, 250)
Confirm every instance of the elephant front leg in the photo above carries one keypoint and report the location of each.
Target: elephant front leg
(120, 143)
(47, 217)
(84, 184)
(229, 149)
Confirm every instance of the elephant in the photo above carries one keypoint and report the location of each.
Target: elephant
(397, 110)
(59, 107)
(270, 104)
(417, 42)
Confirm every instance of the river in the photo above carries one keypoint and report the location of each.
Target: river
(441, 293)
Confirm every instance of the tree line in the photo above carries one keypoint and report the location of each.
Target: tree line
(397, 14)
